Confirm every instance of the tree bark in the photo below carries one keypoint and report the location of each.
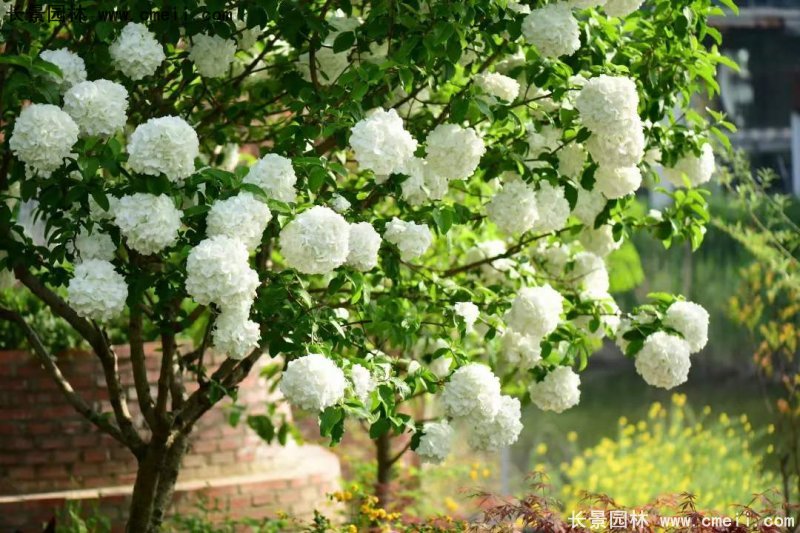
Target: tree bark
(383, 446)
(166, 481)
(144, 489)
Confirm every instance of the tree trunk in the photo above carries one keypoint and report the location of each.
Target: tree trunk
(383, 445)
(166, 481)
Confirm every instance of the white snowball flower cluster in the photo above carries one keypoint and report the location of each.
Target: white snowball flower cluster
(599, 241)
(553, 208)
(275, 175)
(340, 204)
(241, 217)
(498, 85)
(690, 320)
(313, 382)
(495, 271)
(363, 382)
(545, 140)
(589, 274)
(98, 214)
(43, 136)
(558, 391)
(473, 392)
(218, 271)
(97, 291)
(553, 257)
(212, 54)
(571, 160)
(330, 65)
(422, 183)
(381, 143)
(664, 360)
(501, 431)
(514, 209)
(364, 243)
(589, 205)
(235, 334)
(622, 147)
(411, 239)
(468, 311)
(73, 69)
(94, 245)
(247, 37)
(149, 223)
(453, 152)
(535, 311)
(165, 145)
(522, 351)
(136, 52)
(622, 8)
(316, 241)
(436, 441)
(605, 102)
(97, 107)
(553, 30)
(697, 169)
(617, 182)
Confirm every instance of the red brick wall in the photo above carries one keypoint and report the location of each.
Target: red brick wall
(46, 447)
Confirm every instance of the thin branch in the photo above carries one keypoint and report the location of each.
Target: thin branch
(139, 365)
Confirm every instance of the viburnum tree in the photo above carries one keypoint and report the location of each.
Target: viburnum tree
(398, 197)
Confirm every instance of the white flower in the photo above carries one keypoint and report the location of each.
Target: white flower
(554, 257)
(97, 291)
(212, 54)
(589, 205)
(543, 141)
(553, 30)
(622, 8)
(599, 241)
(380, 143)
(494, 271)
(363, 383)
(136, 52)
(500, 431)
(498, 85)
(535, 311)
(240, 217)
(98, 214)
(473, 391)
(468, 311)
(606, 101)
(622, 147)
(435, 443)
(247, 37)
(553, 208)
(313, 382)
(509, 63)
(235, 334)
(410, 238)
(422, 183)
(441, 366)
(514, 208)
(697, 169)
(571, 159)
(164, 145)
(43, 136)
(413, 368)
(94, 245)
(218, 271)
(522, 351)
(73, 69)
(518, 7)
(664, 360)
(149, 223)
(617, 182)
(690, 320)
(330, 65)
(558, 391)
(589, 274)
(275, 175)
(585, 4)
(339, 203)
(5, 7)
(316, 241)
(98, 107)
(364, 243)
(453, 152)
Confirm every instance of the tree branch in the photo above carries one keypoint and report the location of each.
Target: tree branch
(139, 365)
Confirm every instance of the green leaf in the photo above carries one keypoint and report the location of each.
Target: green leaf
(263, 426)
(344, 41)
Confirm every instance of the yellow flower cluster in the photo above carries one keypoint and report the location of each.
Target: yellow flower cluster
(671, 452)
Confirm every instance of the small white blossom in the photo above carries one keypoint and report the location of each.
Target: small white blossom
(553, 208)
(149, 223)
(468, 311)
(411, 239)
(622, 8)
(212, 54)
(381, 143)
(624, 147)
(589, 274)
(697, 169)
(599, 241)
(218, 271)
(247, 37)
(364, 243)
(500, 431)
(330, 65)
(164, 145)
(240, 217)
(536, 311)
(585, 4)
(514, 209)
(589, 205)
(558, 391)
(571, 159)
(363, 382)
(73, 69)
(435, 443)
(97, 107)
(522, 351)
(495, 271)
(97, 291)
(545, 140)
(473, 391)
(617, 182)
(690, 320)
(136, 52)
(313, 382)
(340, 204)
(453, 152)
(94, 245)
(275, 175)
(553, 30)
(235, 334)
(498, 85)
(664, 360)
(605, 101)
(43, 137)
(422, 183)
(316, 241)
